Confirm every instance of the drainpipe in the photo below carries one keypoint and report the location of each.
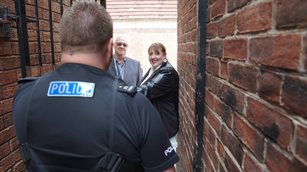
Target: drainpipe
(200, 85)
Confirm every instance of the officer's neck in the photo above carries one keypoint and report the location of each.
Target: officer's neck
(91, 59)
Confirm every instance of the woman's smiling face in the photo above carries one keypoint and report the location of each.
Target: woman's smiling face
(156, 56)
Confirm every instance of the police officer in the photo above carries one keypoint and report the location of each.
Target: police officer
(80, 118)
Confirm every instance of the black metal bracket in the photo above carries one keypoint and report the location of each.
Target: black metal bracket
(5, 23)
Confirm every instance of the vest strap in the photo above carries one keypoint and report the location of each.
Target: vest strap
(24, 151)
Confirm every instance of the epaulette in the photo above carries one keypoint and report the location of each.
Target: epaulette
(131, 90)
(26, 80)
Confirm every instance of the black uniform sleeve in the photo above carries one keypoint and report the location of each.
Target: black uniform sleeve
(157, 153)
(161, 84)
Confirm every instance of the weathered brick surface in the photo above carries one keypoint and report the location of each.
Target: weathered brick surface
(218, 9)
(213, 66)
(305, 51)
(235, 4)
(212, 30)
(295, 16)
(227, 26)
(282, 51)
(301, 142)
(230, 164)
(235, 49)
(273, 124)
(251, 164)
(255, 84)
(295, 95)
(278, 161)
(233, 145)
(10, 72)
(216, 49)
(269, 86)
(250, 137)
(243, 76)
(255, 19)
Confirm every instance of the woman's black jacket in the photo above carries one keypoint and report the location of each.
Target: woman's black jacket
(162, 89)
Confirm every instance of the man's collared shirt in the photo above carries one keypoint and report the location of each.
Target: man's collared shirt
(120, 68)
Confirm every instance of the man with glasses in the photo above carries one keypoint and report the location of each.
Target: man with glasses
(127, 69)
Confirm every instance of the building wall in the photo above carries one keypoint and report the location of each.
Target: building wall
(10, 71)
(255, 88)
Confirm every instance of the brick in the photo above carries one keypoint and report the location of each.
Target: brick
(214, 122)
(214, 85)
(209, 99)
(231, 165)
(30, 10)
(243, 76)
(218, 9)
(7, 134)
(282, 51)
(224, 70)
(305, 51)
(14, 144)
(233, 145)
(9, 161)
(15, 50)
(250, 137)
(294, 95)
(5, 48)
(212, 155)
(269, 86)
(9, 63)
(209, 134)
(273, 124)
(255, 19)
(227, 26)
(9, 4)
(213, 66)
(301, 142)
(207, 162)
(7, 77)
(224, 111)
(251, 165)
(1, 95)
(231, 97)
(235, 49)
(19, 166)
(278, 161)
(220, 149)
(8, 120)
(5, 150)
(235, 4)
(216, 49)
(212, 30)
(7, 105)
(295, 15)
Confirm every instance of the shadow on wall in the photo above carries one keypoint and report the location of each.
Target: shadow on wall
(141, 33)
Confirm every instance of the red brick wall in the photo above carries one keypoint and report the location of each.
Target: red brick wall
(186, 67)
(255, 88)
(10, 72)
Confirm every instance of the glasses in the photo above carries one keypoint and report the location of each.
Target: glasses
(121, 44)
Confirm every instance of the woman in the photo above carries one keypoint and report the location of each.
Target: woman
(161, 86)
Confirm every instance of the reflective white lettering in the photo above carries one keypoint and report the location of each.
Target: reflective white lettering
(168, 150)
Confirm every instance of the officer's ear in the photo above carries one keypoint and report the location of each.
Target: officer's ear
(110, 46)
(109, 53)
